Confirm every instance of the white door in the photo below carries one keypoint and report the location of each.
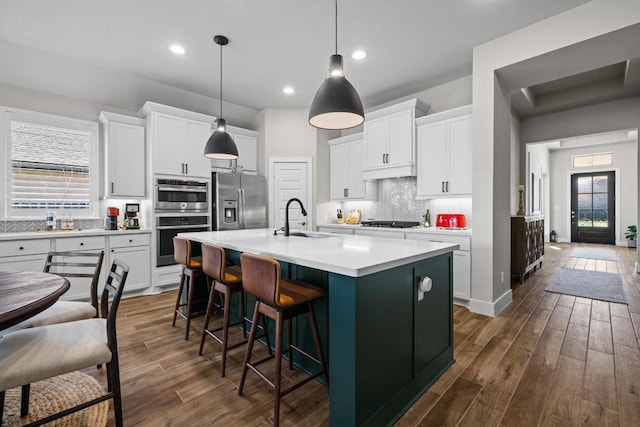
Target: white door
(290, 179)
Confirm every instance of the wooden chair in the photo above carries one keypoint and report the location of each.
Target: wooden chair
(84, 265)
(66, 347)
(280, 300)
(191, 269)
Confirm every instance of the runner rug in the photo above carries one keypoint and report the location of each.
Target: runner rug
(588, 284)
(594, 253)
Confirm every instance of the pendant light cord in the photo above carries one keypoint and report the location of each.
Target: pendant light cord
(220, 80)
(336, 27)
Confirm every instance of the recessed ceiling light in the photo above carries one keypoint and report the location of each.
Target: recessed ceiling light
(288, 90)
(359, 54)
(177, 49)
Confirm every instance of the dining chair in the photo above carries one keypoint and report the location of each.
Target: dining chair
(70, 265)
(66, 347)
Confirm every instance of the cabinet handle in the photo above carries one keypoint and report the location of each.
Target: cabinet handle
(81, 243)
(447, 186)
(130, 240)
(21, 248)
(112, 190)
(113, 250)
(346, 192)
(442, 183)
(182, 170)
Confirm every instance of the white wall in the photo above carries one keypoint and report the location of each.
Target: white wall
(625, 159)
(598, 33)
(538, 163)
(517, 169)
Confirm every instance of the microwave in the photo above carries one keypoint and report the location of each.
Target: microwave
(177, 195)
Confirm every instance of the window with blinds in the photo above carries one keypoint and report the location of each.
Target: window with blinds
(50, 166)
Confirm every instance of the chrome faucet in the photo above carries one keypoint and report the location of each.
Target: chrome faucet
(286, 214)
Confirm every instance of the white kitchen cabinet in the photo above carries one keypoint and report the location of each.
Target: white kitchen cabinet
(23, 255)
(135, 251)
(445, 154)
(389, 135)
(124, 155)
(247, 142)
(80, 286)
(461, 260)
(177, 139)
(336, 230)
(346, 161)
(378, 233)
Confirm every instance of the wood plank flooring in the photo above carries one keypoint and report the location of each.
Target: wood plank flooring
(547, 360)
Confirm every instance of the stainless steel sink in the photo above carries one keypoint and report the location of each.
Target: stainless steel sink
(311, 234)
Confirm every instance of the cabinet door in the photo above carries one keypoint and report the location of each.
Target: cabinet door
(138, 260)
(23, 263)
(459, 154)
(196, 135)
(377, 140)
(247, 152)
(431, 159)
(433, 315)
(126, 160)
(168, 140)
(339, 171)
(355, 183)
(400, 146)
(462, 274)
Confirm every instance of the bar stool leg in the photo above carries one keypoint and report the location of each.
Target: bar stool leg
(252, 338)
(189, 302)
(289, 349)
(175, 311)
(278, 371)
(210, 304)
(243, 313)
(316, 339)
(225, 331)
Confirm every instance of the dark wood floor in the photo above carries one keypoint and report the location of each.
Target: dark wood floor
(548, 359)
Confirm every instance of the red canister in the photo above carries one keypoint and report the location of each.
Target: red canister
(451, 221)
(111, 211)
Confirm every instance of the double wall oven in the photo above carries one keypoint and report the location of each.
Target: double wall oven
(179, 206)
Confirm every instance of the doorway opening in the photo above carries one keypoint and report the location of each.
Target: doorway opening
(593, 208)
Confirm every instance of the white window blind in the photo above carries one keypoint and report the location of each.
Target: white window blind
(50, 168)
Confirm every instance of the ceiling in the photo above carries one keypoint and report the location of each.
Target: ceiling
(412, 44)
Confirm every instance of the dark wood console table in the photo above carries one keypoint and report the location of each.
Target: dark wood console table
(527, 244)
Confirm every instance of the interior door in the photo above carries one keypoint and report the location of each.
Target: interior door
(290, 180)
(593, 208)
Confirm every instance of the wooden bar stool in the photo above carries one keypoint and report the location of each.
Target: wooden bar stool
(191, 269)
(224, 281)
(279, 300)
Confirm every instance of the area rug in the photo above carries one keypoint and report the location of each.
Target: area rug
(594, 253)
(588, 284)
(54, 395)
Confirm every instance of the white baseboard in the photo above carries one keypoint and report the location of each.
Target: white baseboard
(491, 308)
(637, 268)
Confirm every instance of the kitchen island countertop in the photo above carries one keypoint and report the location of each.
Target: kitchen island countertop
(353, 256)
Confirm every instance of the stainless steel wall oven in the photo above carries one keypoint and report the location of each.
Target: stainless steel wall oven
(178, 195)
(167, 227)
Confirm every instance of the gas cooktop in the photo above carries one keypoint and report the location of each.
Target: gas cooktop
(390, 224)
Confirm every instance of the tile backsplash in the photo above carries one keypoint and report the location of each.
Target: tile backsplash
(397, 201)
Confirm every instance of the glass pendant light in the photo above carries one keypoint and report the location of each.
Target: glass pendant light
(336, 105)
(220, 145)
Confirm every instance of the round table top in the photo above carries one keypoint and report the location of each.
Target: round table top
(26, 293)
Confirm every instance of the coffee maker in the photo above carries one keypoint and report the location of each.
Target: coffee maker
(131, 216)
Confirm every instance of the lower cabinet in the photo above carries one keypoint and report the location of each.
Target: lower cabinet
(80, 286)
(23, 255)
(133, 250)
(378, 233)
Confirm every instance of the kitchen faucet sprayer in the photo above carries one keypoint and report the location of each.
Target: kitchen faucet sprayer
(286, 213)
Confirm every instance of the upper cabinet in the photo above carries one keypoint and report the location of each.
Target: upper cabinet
(124, 159)
(347, 159)
(389, 135)
(247, 143)
(445, 154)
(177, 139)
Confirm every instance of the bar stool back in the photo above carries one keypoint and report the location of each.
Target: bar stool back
(191, 269)
(225, 281)
(279, 300)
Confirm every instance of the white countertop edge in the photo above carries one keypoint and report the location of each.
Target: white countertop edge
(433, 230)
(71, 233)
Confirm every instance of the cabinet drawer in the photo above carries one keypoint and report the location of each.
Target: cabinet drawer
(25, 247)
(463, 241)
(80, 243)
(379, 233)
(129, 240)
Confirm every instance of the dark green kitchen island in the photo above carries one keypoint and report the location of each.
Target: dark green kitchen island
(387, 342)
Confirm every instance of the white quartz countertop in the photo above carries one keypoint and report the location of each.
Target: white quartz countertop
(418, 229)
(67, 233)
(353, 256)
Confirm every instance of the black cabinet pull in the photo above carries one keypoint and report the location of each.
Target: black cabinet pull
(21, 248)
(442, 184)
(112, 190)
(130, 240)
(186, 168)
(81, 244)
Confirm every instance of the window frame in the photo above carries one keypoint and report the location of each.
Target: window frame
(592, 155)
(13, 114)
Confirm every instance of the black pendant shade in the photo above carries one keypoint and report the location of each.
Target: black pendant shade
(336, 105)
(220, 145)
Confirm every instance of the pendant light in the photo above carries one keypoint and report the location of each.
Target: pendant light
(336, 105)
(220, 145)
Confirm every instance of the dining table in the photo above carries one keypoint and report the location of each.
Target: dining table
(24, 294)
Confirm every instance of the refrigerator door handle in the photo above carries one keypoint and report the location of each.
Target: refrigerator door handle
(241, 205)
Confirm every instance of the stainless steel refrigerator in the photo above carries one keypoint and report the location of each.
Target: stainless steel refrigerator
(238, 201)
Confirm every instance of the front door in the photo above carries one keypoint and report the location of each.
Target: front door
(593, 208)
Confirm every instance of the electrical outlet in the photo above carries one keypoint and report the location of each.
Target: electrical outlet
(502, 277)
